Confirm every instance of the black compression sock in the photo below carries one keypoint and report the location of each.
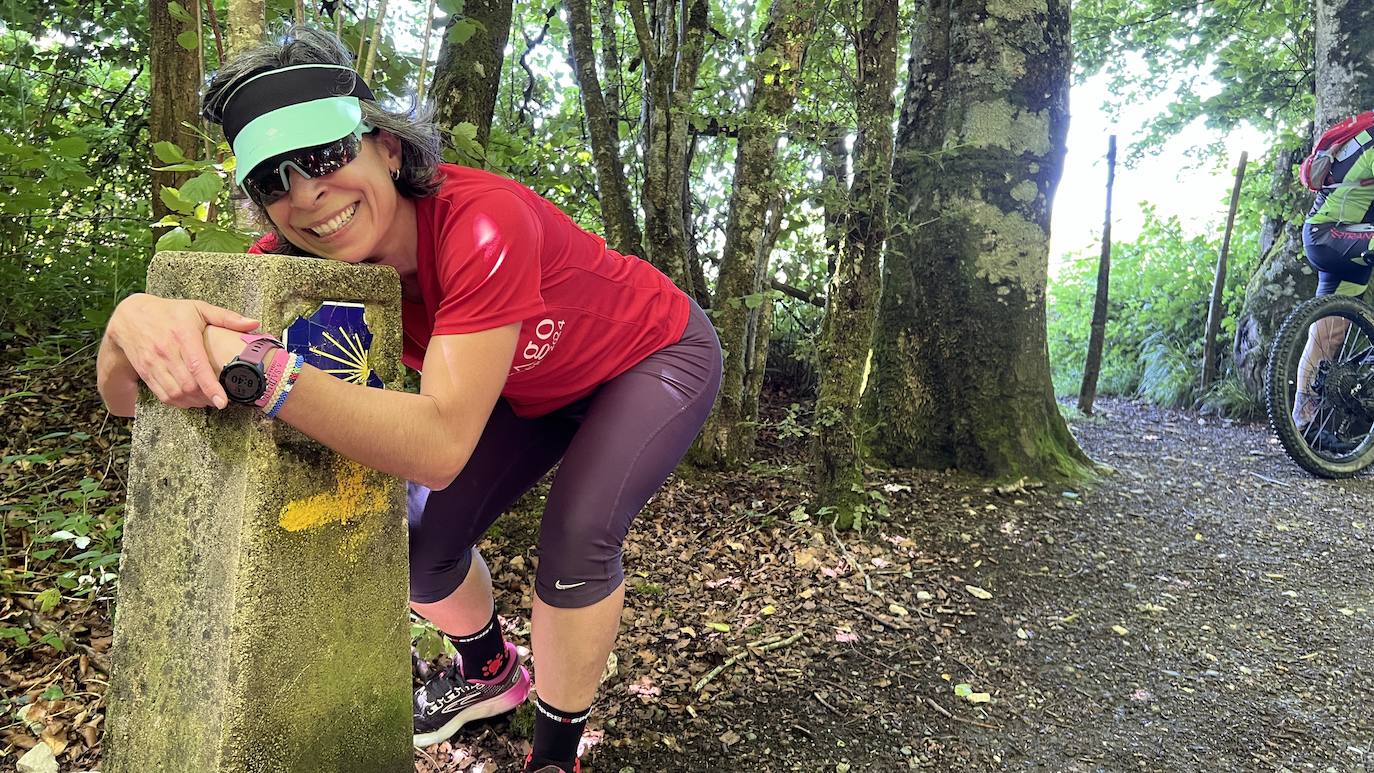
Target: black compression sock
(482, 654)
(556, 734)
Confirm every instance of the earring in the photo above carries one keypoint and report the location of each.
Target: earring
(396, 175)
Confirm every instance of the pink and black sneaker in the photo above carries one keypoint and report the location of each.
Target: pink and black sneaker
(448, 701)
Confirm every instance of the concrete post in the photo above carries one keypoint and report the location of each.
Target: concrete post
(261, 622)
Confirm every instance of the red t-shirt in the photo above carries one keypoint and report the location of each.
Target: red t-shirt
(492, 252)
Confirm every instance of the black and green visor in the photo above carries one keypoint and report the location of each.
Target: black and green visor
(291, 108)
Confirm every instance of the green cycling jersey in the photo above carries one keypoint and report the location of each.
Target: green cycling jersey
(1349, 202)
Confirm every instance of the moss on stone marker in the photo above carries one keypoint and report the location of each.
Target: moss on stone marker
(261, 623)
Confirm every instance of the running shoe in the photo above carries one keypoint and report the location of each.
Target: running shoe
(448, 701)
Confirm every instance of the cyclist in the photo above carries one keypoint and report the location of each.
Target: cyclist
(1337, 239)
(536, 343)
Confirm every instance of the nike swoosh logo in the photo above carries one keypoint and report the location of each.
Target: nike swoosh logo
(559, 584)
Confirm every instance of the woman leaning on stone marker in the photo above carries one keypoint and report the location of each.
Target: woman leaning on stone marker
(535, 343)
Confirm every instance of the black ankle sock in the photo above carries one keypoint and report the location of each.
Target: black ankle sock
(556, 733)
(482, 654)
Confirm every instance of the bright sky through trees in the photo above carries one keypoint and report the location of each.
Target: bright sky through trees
(1183, 180)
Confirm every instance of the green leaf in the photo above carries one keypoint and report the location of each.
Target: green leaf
(451, 7)
(189, 40)
(172, 198)
(722, 627)
(219, 240)
(54, 641)
(48, 600)
(462, 31)
(168, 152)
(54, 691)
(175, 239)
(179, 12)
(70, 147)
(18, 634)
(201, 188)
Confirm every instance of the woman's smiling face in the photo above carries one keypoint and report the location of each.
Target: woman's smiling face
(346, 215)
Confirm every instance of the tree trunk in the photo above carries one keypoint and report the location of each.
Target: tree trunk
(847, 334)
(672, 53)
(1097, 331)
(622, 229)
(761, 318)
(834, 193)
(467, 75)
(1282, 277)
(246, 27)
(960, 366)
(173, 95)
(728, 437)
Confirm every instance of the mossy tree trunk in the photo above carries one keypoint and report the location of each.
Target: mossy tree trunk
(1344, 85)
(728, 438)
(760, 326)
(671, 50)
(173, 95)
(853, 293)
(617, 210)
(467, 74)
(960, 364)
(245, 28)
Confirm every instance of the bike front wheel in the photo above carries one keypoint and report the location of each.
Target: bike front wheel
(1321, 407)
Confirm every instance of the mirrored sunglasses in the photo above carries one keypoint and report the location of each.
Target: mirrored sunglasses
(267, 183)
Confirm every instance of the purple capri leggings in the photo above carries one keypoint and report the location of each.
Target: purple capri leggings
(618, 445)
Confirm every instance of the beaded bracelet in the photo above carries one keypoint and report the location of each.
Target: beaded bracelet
(274, 374)
(287, 383)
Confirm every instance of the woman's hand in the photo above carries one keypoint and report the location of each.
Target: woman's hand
(163, 339)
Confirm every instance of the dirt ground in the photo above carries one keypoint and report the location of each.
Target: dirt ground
(1204, 606)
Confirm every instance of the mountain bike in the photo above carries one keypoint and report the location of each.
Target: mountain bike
(1323, 414)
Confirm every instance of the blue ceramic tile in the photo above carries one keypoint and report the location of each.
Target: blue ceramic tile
(335, 338)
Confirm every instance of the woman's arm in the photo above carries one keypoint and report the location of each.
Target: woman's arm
(160, 341)
(426, 437)
(115, 379)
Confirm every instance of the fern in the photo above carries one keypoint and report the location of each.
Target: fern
(1169, 375)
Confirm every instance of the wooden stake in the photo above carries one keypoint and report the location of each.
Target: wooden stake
(1098, 331)
(1214, 309)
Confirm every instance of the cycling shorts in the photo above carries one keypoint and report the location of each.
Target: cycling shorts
(1338, 252)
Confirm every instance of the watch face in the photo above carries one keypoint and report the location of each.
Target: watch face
(242, 382)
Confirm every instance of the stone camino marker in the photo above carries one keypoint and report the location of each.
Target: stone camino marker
(261, 623)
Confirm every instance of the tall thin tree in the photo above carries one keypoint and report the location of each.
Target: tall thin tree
(622, 228)
(173, 90)
(468, 73)
(847, 334)
(728, 437)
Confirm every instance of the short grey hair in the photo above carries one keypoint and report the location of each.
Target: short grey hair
(301, 44)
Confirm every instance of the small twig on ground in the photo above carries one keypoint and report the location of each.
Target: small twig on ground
(893, 624)
(868, 584)
(1268, 480)
(750, 648)
(945, 712)
(834, 710)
